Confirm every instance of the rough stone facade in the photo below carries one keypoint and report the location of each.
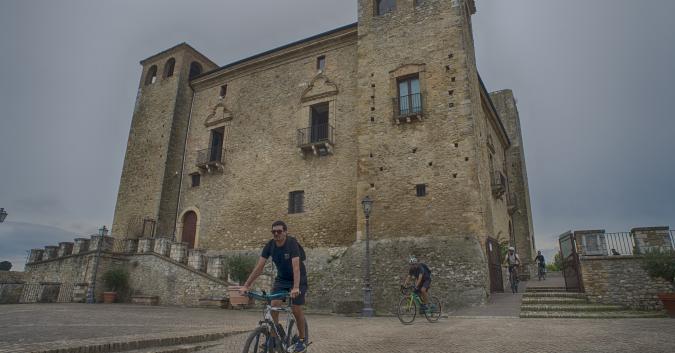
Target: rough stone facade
(621, 280)
(11, 286)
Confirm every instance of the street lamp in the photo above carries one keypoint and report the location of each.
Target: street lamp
(367, 290)
(3, 215)
(91, 299)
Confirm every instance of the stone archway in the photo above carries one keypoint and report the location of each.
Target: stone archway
(189, 231)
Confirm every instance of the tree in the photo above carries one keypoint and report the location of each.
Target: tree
(5, 266)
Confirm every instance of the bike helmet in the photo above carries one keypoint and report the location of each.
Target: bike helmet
(412, 260)
(511, 248)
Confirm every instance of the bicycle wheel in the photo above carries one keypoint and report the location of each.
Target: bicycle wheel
(407, 309)
(434, 309)
(293, 335)
(259, 341)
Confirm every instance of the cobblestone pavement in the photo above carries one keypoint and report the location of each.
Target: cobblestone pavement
(53, 325)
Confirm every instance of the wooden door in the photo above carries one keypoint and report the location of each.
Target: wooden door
(189, 229)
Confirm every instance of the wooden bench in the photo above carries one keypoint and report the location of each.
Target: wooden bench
(145, 300)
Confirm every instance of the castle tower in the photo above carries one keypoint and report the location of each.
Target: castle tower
(424, 122)
(151, 176)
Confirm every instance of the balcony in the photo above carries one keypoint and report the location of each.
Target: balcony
(498, 184)
(316, 138)
(511, 203)
(408, 107)
(210, 159)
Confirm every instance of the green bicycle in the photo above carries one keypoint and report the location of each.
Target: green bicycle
(407, 306)
(271, 338)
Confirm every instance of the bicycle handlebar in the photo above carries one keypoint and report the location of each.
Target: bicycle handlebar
(268, 297)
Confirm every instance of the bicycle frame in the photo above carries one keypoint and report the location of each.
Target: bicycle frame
(268, 320)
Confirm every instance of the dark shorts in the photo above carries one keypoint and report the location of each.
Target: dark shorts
(280, 286)
(426, 283)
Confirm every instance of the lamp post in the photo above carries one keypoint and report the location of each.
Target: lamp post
(3, 215)
(367, 290)
(91, 298)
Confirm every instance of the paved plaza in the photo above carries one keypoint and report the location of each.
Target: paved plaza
(34, 327)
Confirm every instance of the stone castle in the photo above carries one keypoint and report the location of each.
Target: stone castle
(391, 107)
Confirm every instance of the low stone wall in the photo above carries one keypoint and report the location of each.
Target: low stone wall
(621, 280)
(11, 286)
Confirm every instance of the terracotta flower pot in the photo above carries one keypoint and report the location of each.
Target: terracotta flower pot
(236, 298)
(668, 300)
(109, 297)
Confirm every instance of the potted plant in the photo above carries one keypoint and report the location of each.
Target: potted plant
(661, 264)
(240, 267)
(115, 280)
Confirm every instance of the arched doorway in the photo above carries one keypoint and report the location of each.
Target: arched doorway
(189, 229)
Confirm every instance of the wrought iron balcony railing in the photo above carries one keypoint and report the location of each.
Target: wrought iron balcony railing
(210, 158)
(498, 184)
(410, 106)
(317, 138)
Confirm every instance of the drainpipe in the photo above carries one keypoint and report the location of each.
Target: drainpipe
(182, 167)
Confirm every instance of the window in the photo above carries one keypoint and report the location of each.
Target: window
(223, 91)
(151, 77)
(169, 66)
(421, 190)
(216, 148)
(321, 63)
(195, 69)
(196, 178)
(384, 6)
(296, 200)
(409, 96)
(319, 121)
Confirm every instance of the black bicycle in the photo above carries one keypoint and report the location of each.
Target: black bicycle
(271, 338)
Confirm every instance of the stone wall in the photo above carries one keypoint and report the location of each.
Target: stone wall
(11, 286)
(621, 280)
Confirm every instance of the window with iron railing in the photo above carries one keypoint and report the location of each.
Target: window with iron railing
(384, 6)
(296, 201)
(409, 98)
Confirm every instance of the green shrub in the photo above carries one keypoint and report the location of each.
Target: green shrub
(240, 267)
(660, 264)
(116, 279)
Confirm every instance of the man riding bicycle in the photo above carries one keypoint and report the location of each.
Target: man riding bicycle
(541, 264)
(288, 257)
(420, 274)
(513, 261)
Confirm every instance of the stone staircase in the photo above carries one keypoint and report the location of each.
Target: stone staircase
(555, 302)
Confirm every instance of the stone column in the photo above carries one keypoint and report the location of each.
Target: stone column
(179, 252)
(35, 255)
(163, 246)
(145, 245)
(65, 249)
(81, 245)
(51, 252)
(196, 259)
(216, 266)
(130, 246)
(651, 239)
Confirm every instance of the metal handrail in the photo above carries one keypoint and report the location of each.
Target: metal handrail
(408, 105)
(315, 134)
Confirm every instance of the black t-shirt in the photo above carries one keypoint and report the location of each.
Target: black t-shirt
(540, 258)
(282, 257)
(415, 271)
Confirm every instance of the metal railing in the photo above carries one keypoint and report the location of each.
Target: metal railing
(410, 105)
(210, 156)
(619, 243)
(315, 134)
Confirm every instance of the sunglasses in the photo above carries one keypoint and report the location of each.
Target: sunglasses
(277, 231)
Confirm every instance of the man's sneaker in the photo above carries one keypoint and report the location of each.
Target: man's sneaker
(300, 347)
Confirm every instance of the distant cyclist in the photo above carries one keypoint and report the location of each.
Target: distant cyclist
(420, 275)
(541, 265)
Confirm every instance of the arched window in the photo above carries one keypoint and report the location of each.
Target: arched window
(384, 6)
(169, 66)
(151, 77)
(195, 69)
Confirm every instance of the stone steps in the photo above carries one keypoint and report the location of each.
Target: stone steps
(571, 307)
(554, 295)
(553, 300)
(591, 314)
(544, 289)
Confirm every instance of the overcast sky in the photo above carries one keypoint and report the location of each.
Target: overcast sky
(593, 79)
